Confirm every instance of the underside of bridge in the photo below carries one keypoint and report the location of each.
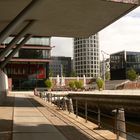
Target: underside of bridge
(74, 18)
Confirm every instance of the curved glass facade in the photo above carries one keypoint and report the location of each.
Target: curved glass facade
(86, 56)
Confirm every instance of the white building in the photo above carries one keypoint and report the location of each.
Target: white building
(86, 56)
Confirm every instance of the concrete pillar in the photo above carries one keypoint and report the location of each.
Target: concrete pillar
(58, 102)
(70, 106)
(120, 123)
(3, 86)
(49, 95)
(64, 106)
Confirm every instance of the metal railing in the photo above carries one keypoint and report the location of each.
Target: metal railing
(66, 101)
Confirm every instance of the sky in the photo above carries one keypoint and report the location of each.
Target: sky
(124, 34)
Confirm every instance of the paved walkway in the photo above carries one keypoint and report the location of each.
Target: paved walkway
(35, 119)
(30, 123)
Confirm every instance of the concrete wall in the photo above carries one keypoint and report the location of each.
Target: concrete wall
(3, 86)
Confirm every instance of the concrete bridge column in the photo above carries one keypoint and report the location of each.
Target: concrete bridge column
(3, 86)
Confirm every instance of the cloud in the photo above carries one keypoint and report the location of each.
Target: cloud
(124, 34)
(63, 46)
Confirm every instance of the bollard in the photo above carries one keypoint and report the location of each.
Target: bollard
(49, 97)
(45, 97)
(120, 123)
(64, 104)
(35, 91)
(58, 102)
(70, 104)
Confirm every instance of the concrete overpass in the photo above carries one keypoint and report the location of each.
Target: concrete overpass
(79, 18)
(75, 18)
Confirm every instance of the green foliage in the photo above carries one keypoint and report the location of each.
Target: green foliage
(78, 84)
(50, 73)
(107, 75)
(73, 74)
(48, 84)
(75, 84)
(100, 83)
(131, 74)
(71, 84)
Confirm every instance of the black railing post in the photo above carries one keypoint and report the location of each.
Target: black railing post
(86, 111)
(99, 117)
(76, 108)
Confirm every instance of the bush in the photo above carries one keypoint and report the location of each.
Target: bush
(100, 83)
(131, 74)
(75, 84)
(78, 84)
(71, 84)
(48, 84)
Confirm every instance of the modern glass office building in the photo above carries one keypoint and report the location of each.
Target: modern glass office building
(86, 56)
(60, 65)
(30, 65)
(121, 62)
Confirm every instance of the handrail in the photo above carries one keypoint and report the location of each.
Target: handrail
(98, 98)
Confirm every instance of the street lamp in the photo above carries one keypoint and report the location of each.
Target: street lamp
(104, 69)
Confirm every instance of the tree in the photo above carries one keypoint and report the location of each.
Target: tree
(73, 74)
(50, 73)
(71, 84)
(100, 83)
(107, 75)
(78, 84)
(131, 74)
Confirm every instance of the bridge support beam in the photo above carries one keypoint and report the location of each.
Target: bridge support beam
(17, 20)
(16, 39)
(7, 59)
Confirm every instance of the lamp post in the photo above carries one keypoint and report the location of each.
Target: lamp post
(104, 69)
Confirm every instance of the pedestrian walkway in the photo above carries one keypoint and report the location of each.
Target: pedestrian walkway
(30, 123)
(6, 118)
(36, 119)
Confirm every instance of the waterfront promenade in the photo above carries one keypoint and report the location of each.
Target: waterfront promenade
(25, 116)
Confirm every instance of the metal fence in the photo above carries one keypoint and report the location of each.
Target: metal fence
(66, 101)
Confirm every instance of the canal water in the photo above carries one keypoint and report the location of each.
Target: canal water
(108, 122)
